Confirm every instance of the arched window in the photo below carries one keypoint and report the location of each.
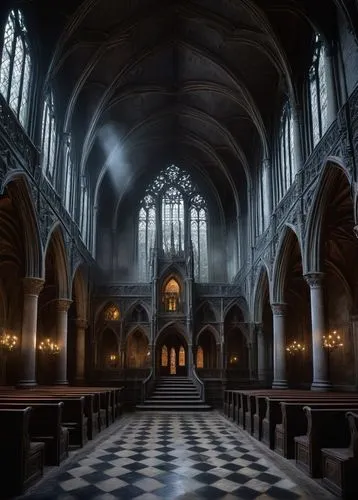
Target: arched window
(164, 361)
(200, 357)
(171, 296)
(263, 209)
(69, 177)
(181, 356)
(84, 214)
(173, 362)
(286, 150)
(49, 138)
(171, 214)
(318, 92)
(15, 66)
(111, 313)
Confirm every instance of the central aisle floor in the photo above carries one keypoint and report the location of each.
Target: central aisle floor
(174, 456)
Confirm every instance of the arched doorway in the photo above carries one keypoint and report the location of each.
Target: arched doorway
(171, 354)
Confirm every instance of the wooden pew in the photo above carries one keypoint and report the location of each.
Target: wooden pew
(340, 465)
(326, 428)
(22, 461)
(46, 426)
(74, 418)
(294, 422)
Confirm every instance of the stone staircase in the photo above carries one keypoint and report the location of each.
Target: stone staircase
(174, 394)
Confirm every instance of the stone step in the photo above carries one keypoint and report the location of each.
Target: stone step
(172, 401)
(173, 407)
(174, 396)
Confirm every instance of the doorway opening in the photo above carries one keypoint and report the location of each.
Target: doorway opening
(172, 354)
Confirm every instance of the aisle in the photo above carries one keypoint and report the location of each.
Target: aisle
(173, 456)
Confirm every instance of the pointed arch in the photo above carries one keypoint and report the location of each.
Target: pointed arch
(259, 293)
(18, 188)
(138, 328)
(133, 306)
(332, 170)
(242, 304)
(207, 304)
(213, 331)
(288, 240)
(79, 286)
(56, 241)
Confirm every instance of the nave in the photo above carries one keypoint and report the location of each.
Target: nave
(185, 456)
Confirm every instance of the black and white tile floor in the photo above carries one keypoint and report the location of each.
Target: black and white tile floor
(172, 456)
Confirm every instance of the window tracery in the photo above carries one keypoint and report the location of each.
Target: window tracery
(171, 296)
(49, 138)
(318, 92)
(111, 313)
(171, 208)
(15, 65)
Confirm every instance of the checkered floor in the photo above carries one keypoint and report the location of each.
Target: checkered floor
(172, 456)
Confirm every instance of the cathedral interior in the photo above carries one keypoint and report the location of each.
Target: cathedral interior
(179, 231)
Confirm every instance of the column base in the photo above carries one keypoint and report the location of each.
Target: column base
(279, 384)
(321, 385)
(26, 384)
(61, 382)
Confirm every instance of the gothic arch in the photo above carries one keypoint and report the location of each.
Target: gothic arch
(212, 308)
(241, 303)
(56, 240)
(287, 242)
(103, 305)
(258, 295)
(325, 184)
(132, 307)
(138, 328)
(18, 188)
(177, 326)
(212, 330)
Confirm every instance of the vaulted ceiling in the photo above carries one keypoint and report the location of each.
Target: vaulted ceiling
(199, 83)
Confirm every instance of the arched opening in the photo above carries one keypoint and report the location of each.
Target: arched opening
(108, 350)
(236, 351)
(139, 315)
(137, 352)
(171, 296)
(205, 314)
(206, 352)
(171, 353)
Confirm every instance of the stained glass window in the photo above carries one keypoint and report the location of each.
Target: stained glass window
(181, 356)
(112, 313)
(171, 296)
(318, 92)
(15, 65)
(173, 362)
(170, 206)
(164, 355)
(200, 357)
(69, 177)
(49, 138)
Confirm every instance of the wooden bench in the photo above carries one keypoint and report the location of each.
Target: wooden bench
(326, 428)
(74, 418)
(340, 465)
(46, 427)
(294, 422)
(22, 462)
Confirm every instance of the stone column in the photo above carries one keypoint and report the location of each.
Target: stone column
(81, 326)
(32, 289)
(321, 380)
(261, 359)
(62, 306)
(354, 320)
(279, 346)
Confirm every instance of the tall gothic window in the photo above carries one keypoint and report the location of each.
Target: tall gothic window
(263, 209)
(318, 92)
(69, 177)
(84, 214)
(164, 360)
(49, 138)
(172, 214)
(15, 66)
(286, 150)
(199, 357)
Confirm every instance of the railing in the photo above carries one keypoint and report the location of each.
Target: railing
(147, 385)
(199, 384)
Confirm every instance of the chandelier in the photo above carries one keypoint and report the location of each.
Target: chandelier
(332, 341)
(48, 346)
(8, 342)
(295, 347)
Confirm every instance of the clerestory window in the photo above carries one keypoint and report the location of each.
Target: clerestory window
(16, 66)
(49, 138)
(318, 92)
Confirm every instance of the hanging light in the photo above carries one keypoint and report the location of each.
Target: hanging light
(295, 347)
(48, 346)
(332, 341)
(8, 342)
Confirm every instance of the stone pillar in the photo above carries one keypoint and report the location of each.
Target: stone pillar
(81, 326)
(261, 358)
(321, 380)
(279, 346)
(332, 106)
(62, 306)
(32, 289)
(354, 320)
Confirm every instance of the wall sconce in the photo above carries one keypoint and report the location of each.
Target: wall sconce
(233, 359)
(48, 346)
(113, 357)
(295, 347)
(8, 342)
(332, 341)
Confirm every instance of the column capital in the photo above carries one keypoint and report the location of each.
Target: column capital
(279, 309)
(81, 323)
(33, 286)
(355, 231)
(63, 305)
(314, 280)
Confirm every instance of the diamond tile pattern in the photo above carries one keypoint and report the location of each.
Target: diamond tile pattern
(172, 456)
